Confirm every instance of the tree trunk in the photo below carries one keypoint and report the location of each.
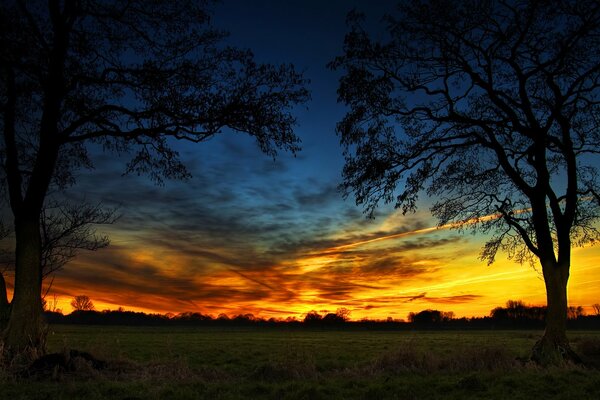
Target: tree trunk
(26, 330)
(553, 347)
(4, 304)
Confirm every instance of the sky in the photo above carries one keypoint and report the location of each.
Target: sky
(275, 238)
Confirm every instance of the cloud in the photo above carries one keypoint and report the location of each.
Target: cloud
(458, 299)
(409, 299)
(246, 234)
(455, 299)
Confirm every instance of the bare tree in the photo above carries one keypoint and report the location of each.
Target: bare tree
(596, 308)
(82, 303)
(129, 76)
(343, 314)
(67, 229)
(492, 108)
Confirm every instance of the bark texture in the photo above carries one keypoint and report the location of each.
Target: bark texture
(554, 348)
(26, 328)
(4, 304)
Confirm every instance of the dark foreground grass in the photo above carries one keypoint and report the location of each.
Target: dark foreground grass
(200, 363)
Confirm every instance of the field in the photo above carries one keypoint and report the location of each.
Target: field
(201, 363)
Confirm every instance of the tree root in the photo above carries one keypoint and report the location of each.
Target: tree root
(548, 352)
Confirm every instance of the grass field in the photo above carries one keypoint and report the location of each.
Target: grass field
(201, 363)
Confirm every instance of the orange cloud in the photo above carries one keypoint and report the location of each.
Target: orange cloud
(375, 275)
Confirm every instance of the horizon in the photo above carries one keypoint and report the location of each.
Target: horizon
(591, 312)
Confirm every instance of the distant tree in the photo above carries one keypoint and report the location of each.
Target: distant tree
(129, 77)
(53, 305)
(223, 317)
(244, 318)
(492, 108)
(343, 313)
(516, 309)
(596, 308)
(499, 313)
(447, 316)
(426, 317)
(312, 317)
(575, 312)
(82, 303)
(333, 318)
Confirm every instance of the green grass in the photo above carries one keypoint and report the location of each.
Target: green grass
(204, 363)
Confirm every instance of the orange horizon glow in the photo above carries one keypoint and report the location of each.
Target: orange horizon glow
(446, 276)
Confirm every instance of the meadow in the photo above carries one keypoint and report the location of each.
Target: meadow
(218, 363)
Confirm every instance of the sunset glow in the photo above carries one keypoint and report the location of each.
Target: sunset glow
(375, 277)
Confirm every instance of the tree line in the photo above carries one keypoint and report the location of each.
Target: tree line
(514, 315)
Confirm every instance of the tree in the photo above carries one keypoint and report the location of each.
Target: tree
(343, 314)
(82, 303)
(125, 76)
(312, 317)
(65, 230)
(426, 317)
(596, 308)
(575, 312)
(68, 228)
(492, 108)
(340, 316)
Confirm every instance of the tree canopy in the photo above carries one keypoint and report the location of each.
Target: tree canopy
(128, 77)
(498, 104)
(491, 108)
(82, 303)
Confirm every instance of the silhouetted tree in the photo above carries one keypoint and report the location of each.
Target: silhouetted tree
(65, 229)
(127, 76)
(312, 317)
(447, 316)
(518, 312)
(82, 303)
(426, 317)
(223, 317)
(516, 309)
(68, 228)
(575, 312)
(499, 313)
(492, 108)
(596, 308)
(343, 313)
